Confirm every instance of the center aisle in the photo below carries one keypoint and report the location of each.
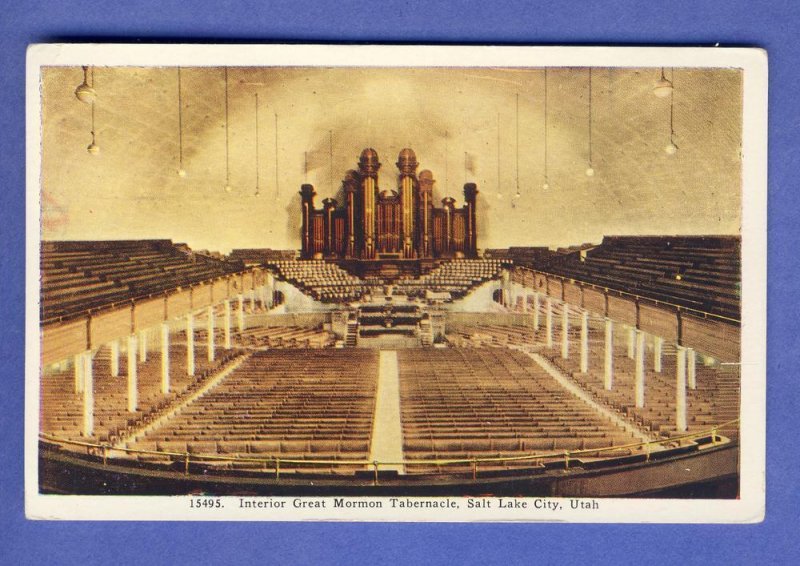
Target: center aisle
(387, 430)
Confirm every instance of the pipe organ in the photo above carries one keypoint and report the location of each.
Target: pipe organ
(398, 223)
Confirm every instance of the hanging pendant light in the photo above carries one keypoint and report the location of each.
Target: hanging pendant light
(662, 87)
(227, 187)
(590, 169)
(85, 93)
(258, 173)
(181, 170)
(546, 185)
(671, 148)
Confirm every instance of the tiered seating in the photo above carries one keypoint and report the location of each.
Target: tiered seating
(281, 403)
(61, 409)
(457, 277)
(714, 401)
(325, 281)
(702, 273)
(287, 337)
(490, 335)
(78, 276)
(490, 402)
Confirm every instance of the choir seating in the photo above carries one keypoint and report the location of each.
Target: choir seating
(324, 281)
(456, 277)
(293, 405)
(491, 402)
(79, 276)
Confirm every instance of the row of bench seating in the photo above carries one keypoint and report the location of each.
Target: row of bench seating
(74, 280)
(290, 403)
(700, 273)
(490, 402)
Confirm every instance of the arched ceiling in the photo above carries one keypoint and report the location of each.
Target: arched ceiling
(448, 116)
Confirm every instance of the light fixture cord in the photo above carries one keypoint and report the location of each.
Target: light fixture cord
(590, 117)
(546, 177)
(446, 182)
(671, 108)
(227, 142)
(180, 122)
(93, 134)
(516, 126)
(258, 170)
(498, 151)
(277, 186)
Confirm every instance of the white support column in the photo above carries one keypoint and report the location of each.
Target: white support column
(262, 296)
(691, 360)
(680, 390)
(78, 366)
(608, 369)
(133, 388)
(252, 294)
(639, 364)
(536, 311)
(88, 394)
(525, 302)
(143, 346)
(658, 347)
(584, 341)
(240, 313)
(115, 358)
(210, 332)
(226, 323)
(165, 358)
(548, 321)
(564, 331)
(190, 344)
(631, 342)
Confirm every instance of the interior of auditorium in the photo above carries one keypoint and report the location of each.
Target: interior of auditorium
(364, 280)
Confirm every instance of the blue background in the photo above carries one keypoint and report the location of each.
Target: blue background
(771, 25)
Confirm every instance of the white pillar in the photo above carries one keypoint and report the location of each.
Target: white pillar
(164, 358)
(252, 294)
(78, 363)
(565, 331)
(262, 297)
(210, 332)
(143, 346)
(525, 302)
(240, 313)
(133, 390)
(639, 363)
(680, 389)
(548, 321)
(88, 394)
(190, 344)
(691, 359)
(584, 341)
(631, 342)
(114, 358)
(608, 369)
(658, 346)
(226, 323)
(536, 311)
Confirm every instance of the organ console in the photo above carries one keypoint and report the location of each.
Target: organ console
(397, 223)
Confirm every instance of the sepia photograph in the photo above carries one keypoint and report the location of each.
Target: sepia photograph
(396, 283)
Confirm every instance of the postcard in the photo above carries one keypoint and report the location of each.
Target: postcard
(396, 283)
